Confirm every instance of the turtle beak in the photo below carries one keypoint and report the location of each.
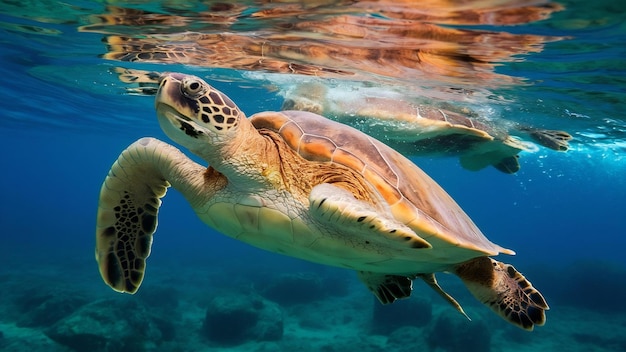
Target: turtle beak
(171, 120)
(172, 109)
(167, 91)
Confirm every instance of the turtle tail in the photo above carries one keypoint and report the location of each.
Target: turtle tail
(505, 290)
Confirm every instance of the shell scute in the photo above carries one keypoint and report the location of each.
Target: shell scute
(292, 134)
(316, 148)
(413, 197)
(269, 120)
(348, 159)
(390, 193)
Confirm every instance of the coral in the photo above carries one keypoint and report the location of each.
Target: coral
(406, 339)
(590, 284)
(615, 343)
(114, 324)
(235, 318)
(39, 308)
(415, 311)
(159, 297)
(455, 334)
(290, 289)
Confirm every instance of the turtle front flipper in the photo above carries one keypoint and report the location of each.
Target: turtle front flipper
(129, 204)
(337, 208)
(505, 290)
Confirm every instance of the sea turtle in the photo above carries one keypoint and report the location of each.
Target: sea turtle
(296, 183)
(421, 128)
(405, 45)
(412, 127)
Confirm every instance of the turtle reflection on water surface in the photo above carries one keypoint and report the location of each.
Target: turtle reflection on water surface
(414, 128)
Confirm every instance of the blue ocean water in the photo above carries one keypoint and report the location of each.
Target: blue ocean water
(65, 116)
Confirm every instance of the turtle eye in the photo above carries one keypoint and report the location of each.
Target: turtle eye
(193, 87)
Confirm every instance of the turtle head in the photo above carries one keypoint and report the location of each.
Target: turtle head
(196, 115)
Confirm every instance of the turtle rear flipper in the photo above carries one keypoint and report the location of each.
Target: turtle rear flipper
(474, 162)
(499, 153)
(556, 140)
(505, 290)
(508, 165)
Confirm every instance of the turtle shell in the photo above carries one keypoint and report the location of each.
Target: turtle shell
(414, 198)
